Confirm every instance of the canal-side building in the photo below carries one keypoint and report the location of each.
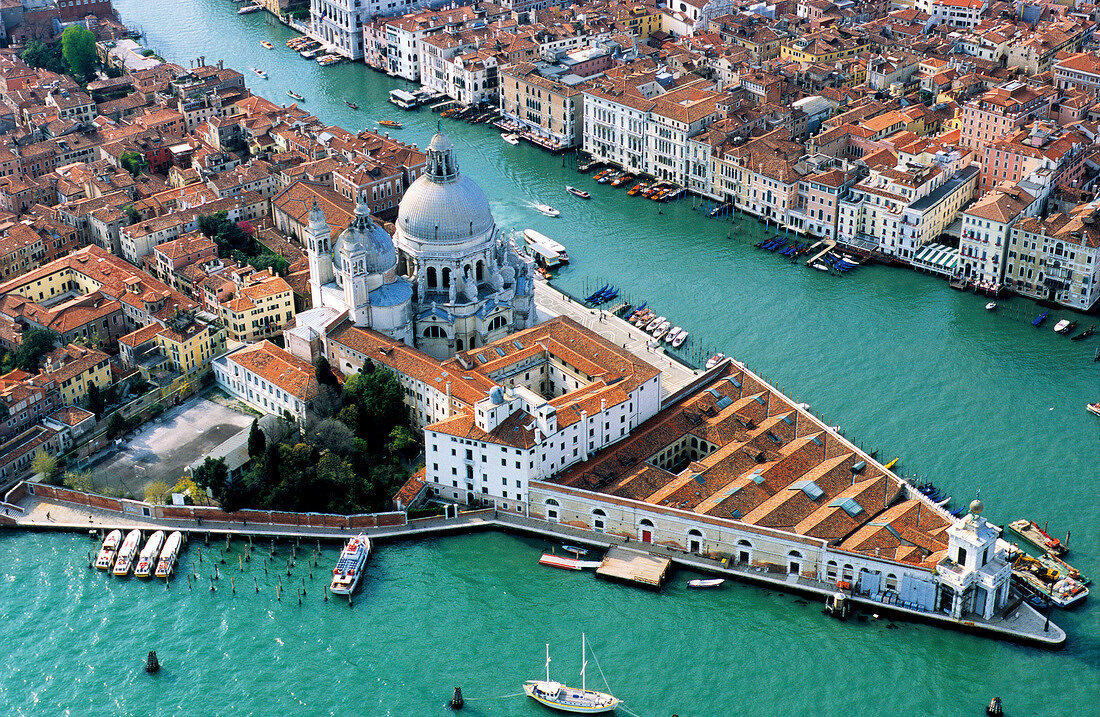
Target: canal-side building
(1057, 258)
(736, 469)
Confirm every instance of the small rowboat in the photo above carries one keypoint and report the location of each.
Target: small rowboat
(575, 550)
(712, 583)
(351, 104)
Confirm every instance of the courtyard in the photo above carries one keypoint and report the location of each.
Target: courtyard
(163, 448)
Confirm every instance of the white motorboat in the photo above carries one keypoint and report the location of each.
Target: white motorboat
(672, 333)
(714, 360)
(820, 267)
(547, 210)
(661, 331)
(147, 559)
(249, 9)
(712, 583)
(991, 306)
(680, 339)
(1093, 408)
(127, 552)
(259, 72)
(345, 576)
(652, 325)
(107, 551)
(1064, 326)
(509, 137)
(169, 554)
(569, 699)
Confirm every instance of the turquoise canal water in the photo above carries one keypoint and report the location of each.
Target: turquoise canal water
(971, 400)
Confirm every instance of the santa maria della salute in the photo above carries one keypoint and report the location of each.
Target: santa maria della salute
(446, 282)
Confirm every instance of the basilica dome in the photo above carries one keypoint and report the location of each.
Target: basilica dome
(442, 205)
(364, 240)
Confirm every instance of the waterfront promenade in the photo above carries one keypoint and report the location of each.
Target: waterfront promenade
(1020, 623)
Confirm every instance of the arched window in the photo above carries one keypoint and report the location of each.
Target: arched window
(496, 323)
(446, 277)
(479, 271)
(434, 332)
(830, 570)
(847, 572)
(551, 509)
(891, 581)
(599, 520)
(431, 277)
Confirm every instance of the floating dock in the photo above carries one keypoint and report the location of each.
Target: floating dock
(633, 566)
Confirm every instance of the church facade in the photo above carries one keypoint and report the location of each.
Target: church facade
(447, 282)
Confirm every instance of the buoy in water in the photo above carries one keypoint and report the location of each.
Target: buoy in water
(994, 709)
(152, 664)
(456, 699)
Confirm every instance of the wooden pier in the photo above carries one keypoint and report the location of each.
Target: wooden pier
(829, 244)
(634, 566)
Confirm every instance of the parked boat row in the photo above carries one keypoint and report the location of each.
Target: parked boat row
(603, 295)
(659, 327)
(158, 556)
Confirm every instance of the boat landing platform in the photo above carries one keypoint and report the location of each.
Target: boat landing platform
(633, 566)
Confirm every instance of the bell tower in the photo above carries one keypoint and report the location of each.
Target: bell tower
(319, 253)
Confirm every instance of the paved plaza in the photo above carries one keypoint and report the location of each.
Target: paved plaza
(675, 375)
(162, 449)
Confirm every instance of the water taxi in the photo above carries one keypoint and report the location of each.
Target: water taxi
(106, 554)
(148, 557)
(680, 339)
(266, 45)
(569, 699)
(259, 72)
(328, 60)
(672, 333)
(294, 95)
(545, 248)
(1031, 533)
(169, 554)
(127, 552)
(547, 210)
(345, 576)
(1093, 408)
(1064, 326)
(351, 104)
(715, 360)
(510, 137)
(390, 123)
(578, 192)
(249, 9)
(991, 306)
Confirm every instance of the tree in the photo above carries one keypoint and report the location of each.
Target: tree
(132, 162)
(95, 400)
(116, 424)
(131, 213)
(78, 480)
(402, 441)
(48, 57)
(45, 464)
(191, 489)
(36, 342)
(257, 441)
(324, 374)
(78, 49)
(333, 435)
(157, 492)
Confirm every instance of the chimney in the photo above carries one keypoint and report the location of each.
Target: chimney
(447, 411)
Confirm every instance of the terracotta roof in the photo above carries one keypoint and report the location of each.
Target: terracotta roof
(279, 368)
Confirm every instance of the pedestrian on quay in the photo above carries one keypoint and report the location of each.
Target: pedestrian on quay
(48, 515)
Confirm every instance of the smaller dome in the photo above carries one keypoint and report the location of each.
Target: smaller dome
(317, 223)
(496, 395)
(976, 507)
(363, 239)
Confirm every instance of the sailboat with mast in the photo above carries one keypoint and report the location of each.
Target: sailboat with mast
(569, 699)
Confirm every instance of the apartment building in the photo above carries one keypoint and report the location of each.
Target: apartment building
(1000, 111)
(260, 305)
(1080, 70)
(1057, 258)
(268, 379)
(985, 233)
(545, 101)
(1042, 144)
(75, 369)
